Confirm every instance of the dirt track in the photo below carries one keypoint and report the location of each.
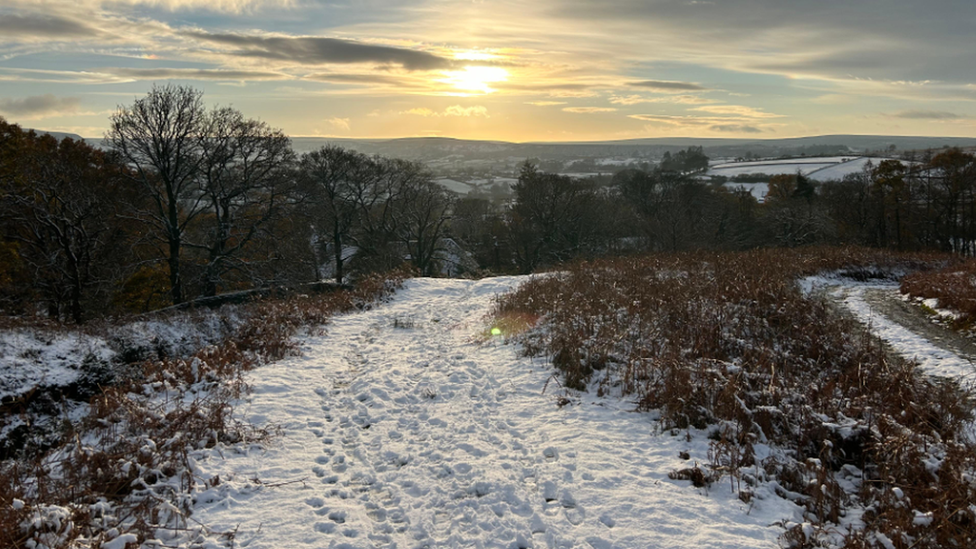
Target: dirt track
(889, 303)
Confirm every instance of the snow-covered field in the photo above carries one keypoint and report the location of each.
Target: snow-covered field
(408, 426)
(817, 168)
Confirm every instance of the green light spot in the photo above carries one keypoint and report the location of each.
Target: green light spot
(496, 331)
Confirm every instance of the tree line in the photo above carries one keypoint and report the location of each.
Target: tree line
(185, 201)
(921, 203)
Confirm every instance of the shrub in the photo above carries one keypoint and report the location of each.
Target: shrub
(954, 286)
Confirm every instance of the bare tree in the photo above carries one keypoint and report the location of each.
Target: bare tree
(160, 137)
(379, 201)
(423, 212)
(245, 181)
(337, 181)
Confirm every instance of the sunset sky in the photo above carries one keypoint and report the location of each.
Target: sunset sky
(543, 70)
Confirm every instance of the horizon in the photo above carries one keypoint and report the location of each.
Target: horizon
(557, 71)
(594, 141)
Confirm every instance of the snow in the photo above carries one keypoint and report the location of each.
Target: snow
(930, 358)
(454, 186)
(29, 358)
(789, 161)
(817, 168)
(837, 172)
(770, 169)
(409, 426)
(757, 190)
(121, 541)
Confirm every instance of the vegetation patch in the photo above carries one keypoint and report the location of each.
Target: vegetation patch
(954, 286)
(118, 469)
(875, 452)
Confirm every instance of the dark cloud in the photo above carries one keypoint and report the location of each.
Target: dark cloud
(319, 51)
(38, 106)
(666, 85)
(734, 128)
(194, 74)
(927, 115)
(46, 26)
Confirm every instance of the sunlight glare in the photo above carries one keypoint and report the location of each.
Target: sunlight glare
(475, 79)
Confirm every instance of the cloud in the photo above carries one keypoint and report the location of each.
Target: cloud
(667, 86)
(193, 74)
(734, 128)
(681, 99)
(545, 103)
(321, 51)
(553, 89)
(453, 110)
(722, 124)
(588, 110)
(833, 99)
(339, 78)
(738, 110)
(458, 110)
(339, 123)
(927, 115)
(39, 106)
(674, 120)
(33, 25)
(223, 6)
(420, 111)
(829, 39)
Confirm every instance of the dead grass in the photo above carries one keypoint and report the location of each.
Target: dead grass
(954, 286)
(125, 467)
(730, 340)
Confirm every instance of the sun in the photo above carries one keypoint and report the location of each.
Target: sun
(474, 79)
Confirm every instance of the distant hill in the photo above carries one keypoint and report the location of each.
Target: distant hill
(59, 135)
(429, 148)
(444, 154)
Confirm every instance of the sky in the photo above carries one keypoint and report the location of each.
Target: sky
(545, 70)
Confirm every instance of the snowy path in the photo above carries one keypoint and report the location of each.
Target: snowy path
(402, 430)
(936, 355)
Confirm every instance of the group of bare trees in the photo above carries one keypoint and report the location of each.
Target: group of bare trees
(373, 211)
(186, 201)
(57, 202)
(209, 180)
(927, 202)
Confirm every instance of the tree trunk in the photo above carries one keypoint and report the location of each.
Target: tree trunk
(337, 248)
(175, 282)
